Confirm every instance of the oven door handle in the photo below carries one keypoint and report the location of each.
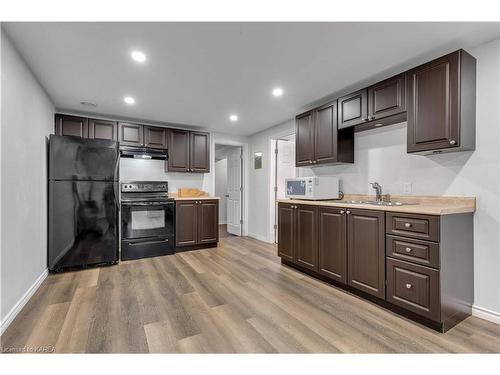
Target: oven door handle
(148, 242)
(146, 204)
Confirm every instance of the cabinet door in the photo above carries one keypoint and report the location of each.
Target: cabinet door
(186, 223)
(387, 98)
(131, 134)
(365, 251)
(155, 137)
(103, 129)
(199, 158)
(208, 221)
(178, 150)
(325, 140)
(332, 244)
(286, 231)
(353, 109)
(304, 139)
(71, 125)
(306, 248)
(433, 105)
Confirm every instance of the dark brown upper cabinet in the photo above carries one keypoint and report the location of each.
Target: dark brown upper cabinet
(199, 152)
(71, 125)
(155, 137)
(319, 142)
(131, 134)
(442, 104)
(366, 250)
(304, 139)
(387, 98)
(332, 243)
(178, 150)
(103, 129)
(353, 109)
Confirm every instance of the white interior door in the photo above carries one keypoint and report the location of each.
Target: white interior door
(233, 203)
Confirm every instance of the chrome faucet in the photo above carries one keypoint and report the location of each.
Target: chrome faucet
(378, 190)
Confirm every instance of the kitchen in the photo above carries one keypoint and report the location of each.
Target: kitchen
(386, 238)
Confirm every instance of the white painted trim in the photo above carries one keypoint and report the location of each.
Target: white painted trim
(259, 237)
(489, 315)
(11, 315)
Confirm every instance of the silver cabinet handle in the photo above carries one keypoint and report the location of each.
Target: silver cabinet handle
(314, 162)
(342, 212)
(348, 212)
(452, 142)
(407, 225)
(408, 249)
(408, 286)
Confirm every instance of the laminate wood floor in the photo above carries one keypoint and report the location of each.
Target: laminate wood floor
(235, 298)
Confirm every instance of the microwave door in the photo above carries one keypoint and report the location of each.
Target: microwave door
(296, 188)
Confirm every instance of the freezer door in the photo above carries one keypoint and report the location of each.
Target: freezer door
(83, 217)
(75, 158)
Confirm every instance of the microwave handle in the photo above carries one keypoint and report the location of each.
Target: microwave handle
(341, 194)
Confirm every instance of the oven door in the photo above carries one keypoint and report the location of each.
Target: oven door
(147, 220)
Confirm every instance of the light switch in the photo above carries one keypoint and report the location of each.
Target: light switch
(407, 187)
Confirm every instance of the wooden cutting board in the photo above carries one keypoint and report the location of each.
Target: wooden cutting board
(191, 192)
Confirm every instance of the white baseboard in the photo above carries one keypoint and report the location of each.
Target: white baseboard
(259, 237)
(11, 315)
(486, 314)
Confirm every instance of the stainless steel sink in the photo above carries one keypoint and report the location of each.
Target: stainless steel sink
(375, 203)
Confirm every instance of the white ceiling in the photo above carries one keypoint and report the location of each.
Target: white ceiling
(199, 73)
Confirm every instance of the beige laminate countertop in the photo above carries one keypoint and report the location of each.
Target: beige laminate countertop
(193, 198)
(424, 205)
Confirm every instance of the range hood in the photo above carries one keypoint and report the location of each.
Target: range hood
(143, 153)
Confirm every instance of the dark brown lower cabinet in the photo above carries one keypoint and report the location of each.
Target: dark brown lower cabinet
(196, 222)
(286, 231)
(332, 243)
(306, 251)
(366, 251)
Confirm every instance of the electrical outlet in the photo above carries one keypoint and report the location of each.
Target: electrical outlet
(407, 187)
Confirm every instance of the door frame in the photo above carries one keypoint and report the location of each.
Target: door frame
(273, 206)
(216, 140)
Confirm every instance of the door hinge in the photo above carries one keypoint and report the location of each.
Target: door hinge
(275, 226)
(276, 189)
(241, 188)
(276, 151)
(241, 221)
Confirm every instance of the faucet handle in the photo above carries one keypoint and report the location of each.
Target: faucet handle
(374, 184)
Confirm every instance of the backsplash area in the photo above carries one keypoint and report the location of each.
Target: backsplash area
(154, 170)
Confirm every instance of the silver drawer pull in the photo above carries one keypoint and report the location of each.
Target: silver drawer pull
(407, 225)
(409, 286)
(408, 249)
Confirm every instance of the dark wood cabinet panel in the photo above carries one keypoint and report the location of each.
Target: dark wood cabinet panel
(325, 139)
(366, 251)
(155, 137)
(413, 287)
(353, 109)
(306, 249)
(71, 125)
(286, 231)
(131, 134)
(425, 227)
(199, 156)
(387, 98)
(304, 139)
(186, 223)
(441, 104)
(103, 129)
(415, 251)
(208, 221)
(178, 150)
(332, 244)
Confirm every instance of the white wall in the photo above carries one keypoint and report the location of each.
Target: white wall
(221, 188)
(27, 118)
(380, 155)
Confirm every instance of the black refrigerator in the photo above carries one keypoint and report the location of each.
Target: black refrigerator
(83, 202)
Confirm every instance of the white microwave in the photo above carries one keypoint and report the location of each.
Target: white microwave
(316, 187)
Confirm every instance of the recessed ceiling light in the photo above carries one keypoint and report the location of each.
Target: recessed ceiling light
(129, 100)
(88, 104)
(278, 91)
(233, 118)
(138, 56)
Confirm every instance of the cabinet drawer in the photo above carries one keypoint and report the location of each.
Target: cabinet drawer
(424, 227)
(415, 251)
(415, 288)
